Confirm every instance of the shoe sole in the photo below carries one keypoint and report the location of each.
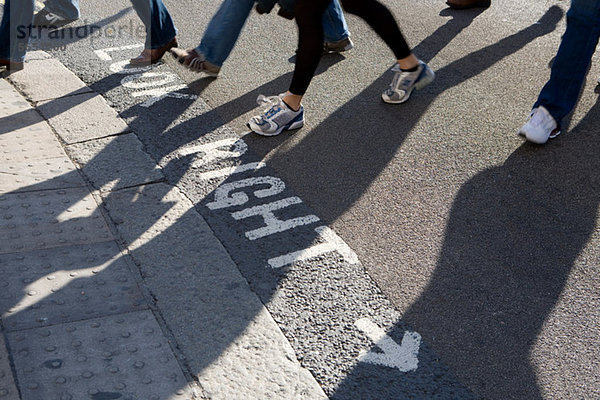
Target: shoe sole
(294, 126)
(426, 80)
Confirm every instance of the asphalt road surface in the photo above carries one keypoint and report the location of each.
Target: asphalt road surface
(476, 253)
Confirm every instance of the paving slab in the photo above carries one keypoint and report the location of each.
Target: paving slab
(115, 162)
(116, 357)
(30, 142)
(31, 158)
(46, 219)
(47, 79)
(66, 284)
(8, 389)
(15, 111)
(55, 173)
(82, 117)
(232, 344)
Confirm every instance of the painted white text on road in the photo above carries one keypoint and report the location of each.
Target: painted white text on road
(403, 356)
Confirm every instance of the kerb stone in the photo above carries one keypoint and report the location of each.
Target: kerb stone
(231, 342)
(83, 117)
(47, 79)
(115, 162)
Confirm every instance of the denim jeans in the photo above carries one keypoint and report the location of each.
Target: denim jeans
(14, 29)
(68, 9)
(572, 60)
(225, 26)
(160, 28)
(334, 23)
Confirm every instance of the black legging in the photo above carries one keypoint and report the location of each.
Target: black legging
(310, 34)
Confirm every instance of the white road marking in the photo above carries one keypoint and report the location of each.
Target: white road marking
(219, 150)
(220, 173)
(157, 86)
(223, 199)
(147, 80)
(124, 67)
(154, 85)
(160, 93)
(104, 55)
(332, 242)
(222, 149)
(273, 224)
(403, 356)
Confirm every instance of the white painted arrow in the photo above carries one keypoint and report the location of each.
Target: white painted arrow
(403, 356)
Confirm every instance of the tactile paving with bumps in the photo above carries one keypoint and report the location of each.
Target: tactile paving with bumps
(15, 111)
(30, 142)
(66, 284)
(54, 173)
(118, 357)
(53, 218)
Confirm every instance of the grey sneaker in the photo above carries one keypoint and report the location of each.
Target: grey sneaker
(277, 118)
(540, 127)
(338, 47)
(195, 61)
(405, 82)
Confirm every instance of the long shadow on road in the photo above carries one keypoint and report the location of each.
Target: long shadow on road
(511, 241)
(350, 143)
(343, 185)
(465, 271)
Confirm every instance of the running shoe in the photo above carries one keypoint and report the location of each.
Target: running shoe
(540, 127)
(405, 82)
(276, 119)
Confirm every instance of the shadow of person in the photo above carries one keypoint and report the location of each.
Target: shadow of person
(80, 273)
(513, 237)
(438, 40)
(341, 157)
(187, 122)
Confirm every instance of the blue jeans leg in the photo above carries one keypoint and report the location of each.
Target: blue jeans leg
(224, 29)
(65, 8)
(160, 28)
(572, 60)
(334, 23)
(225, 26)
(15, 29)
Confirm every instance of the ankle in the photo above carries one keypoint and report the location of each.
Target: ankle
(411, 69)
(410, 63)
(293, 101)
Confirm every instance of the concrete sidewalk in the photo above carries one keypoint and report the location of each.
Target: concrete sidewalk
(113, 286)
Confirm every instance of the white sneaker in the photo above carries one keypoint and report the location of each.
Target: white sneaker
(276, 119)
(540, 127)
(405, 82)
